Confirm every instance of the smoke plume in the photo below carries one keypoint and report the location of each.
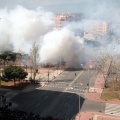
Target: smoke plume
(60, 45)
(19, 27)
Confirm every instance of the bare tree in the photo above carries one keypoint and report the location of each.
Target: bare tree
(114, 72)
(34, 59)
(102, 63)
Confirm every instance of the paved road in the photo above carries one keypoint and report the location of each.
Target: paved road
(68, 82)
(52, 103)
(60, 97)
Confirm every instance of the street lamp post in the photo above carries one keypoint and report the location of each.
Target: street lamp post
(26, 68)
(79, 106)
(48, 75)
(88, 79)
(1, 74)
(0, 80)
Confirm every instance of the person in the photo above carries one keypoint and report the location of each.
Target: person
(75, 74)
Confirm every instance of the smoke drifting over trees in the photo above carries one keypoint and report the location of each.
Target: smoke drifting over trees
(19, 27)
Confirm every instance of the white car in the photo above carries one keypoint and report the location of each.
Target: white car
(70, 88)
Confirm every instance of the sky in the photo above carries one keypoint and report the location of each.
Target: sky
(61, 6)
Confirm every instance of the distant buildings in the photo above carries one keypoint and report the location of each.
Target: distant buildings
(91, 28)
(62, 19)
(95, 27)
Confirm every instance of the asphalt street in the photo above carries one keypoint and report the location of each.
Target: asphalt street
(60, 97)
(68, 82)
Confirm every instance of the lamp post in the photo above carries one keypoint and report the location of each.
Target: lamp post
(48, 75)
(0, 80)
(0, 75)
(88, 80)
(79, 105)
(26, 68)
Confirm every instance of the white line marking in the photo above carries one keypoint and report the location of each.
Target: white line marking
(73, 81)
(46, 97)
(37, 104)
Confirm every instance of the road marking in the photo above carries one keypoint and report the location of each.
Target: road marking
(110, 117)
(73, 81)
(58, 115)
(81, 83)
(37, 104)
(112, 109)
(46, 97)
(65, 104)
(74, 92)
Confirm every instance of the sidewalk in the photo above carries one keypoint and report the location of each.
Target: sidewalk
(97, 92)
(43, 79)
(95, 116)
(52, 76)
(94, 94)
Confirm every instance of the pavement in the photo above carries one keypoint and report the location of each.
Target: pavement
(95, 116)
(94, 93)
(60, 97)
(98, 87)
(42, 78)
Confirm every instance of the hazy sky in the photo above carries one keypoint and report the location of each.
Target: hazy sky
(60, 6)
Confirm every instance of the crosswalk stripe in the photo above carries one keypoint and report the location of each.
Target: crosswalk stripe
(112, 109)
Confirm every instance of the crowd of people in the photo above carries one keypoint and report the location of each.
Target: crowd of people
(8, 114)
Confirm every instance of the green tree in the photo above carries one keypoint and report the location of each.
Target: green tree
(14, 73)
(7, 56)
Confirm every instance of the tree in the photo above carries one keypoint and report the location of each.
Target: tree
(14, 73)
(25, 60)
(34, 59)
(7, 57)
(102, 63)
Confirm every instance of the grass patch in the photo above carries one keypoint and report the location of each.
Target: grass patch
(109, 94)
(10, 85)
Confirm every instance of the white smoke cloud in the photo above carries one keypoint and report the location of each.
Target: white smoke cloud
(19, 27)
(22, 26)
(61, 45)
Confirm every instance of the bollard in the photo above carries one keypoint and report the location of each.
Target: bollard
(10, 103)
(6, 106)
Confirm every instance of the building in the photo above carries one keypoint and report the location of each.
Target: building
(90, 28)
(61, 19)
(96, 27)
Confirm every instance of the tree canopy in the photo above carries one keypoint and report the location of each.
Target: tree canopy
(14, 73)
(7, 56)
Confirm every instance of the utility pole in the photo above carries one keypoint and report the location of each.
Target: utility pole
(0, 80)
(88, 79)
(79, 105)
(1, 74)
(60, 65)
(48, 75)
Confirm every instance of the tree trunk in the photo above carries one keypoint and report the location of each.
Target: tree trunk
(14, 82)
(34, 74)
